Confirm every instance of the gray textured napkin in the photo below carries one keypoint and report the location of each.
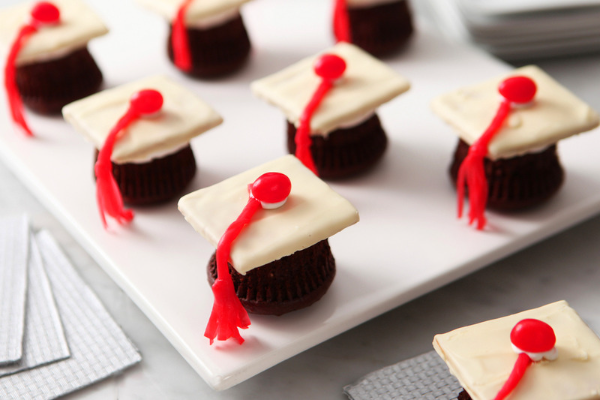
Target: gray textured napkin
(14, 240)
(425, 377)
(99, 348)
(44, 340)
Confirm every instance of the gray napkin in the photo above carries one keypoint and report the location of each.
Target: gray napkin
(44, 339)
(425, 377)
(14, 240)
(99, 348)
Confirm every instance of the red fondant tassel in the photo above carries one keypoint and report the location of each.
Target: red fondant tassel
(518, 90)
(523, 362)
(42, 13)
(329, 67)
(180, 40)
(228, 314)
(341, 22)
(108, 196)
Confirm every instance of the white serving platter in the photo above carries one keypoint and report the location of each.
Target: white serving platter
(407, 243)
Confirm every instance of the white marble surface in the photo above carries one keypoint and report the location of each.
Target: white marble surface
(563, 267)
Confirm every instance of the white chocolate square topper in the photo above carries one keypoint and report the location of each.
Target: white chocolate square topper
(198, 12)
(366, 84)
(183, 116)
(312, 212)
(554, 114)
(481, 357)
(78, 25)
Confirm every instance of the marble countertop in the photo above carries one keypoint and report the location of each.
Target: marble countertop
(565, 266)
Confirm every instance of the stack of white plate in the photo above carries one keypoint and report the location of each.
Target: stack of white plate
(521, 29)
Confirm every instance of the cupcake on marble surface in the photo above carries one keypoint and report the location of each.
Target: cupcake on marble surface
(380, 27)
(547, 353)
(48, 64)
(207, 38)
(330, 103)
(508, 128)
(141, 131)
(270, 226)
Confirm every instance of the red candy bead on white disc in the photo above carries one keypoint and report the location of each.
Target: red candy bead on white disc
(45, 13)
(271, 189)
(146, 102)
(534, 338)
(518, 90)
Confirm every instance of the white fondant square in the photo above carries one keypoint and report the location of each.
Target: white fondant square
(555, 114)
(313, 212)
(78, 25)
(481, 357)
(366, 84)
(183, 117)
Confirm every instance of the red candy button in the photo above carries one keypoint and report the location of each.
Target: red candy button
(518, 89)
(45, 13)
(533, 336)
(330, 67)
(147, 101)
(272, 187)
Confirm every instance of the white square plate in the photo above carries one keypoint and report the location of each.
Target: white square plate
(407, 243)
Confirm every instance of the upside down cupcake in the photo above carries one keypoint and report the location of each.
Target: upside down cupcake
(380, 27)
(141, 131)
(547, 353)
(207, 38)
(330, 103)
(48, 63)
(508, 127)
(270, 227)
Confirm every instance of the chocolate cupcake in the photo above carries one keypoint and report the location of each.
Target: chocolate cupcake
(380, 27)
(512, 161)
(547, 353)
(148, 156)
(206, 38)
(49, 64)
(330, 103)
(270, 226)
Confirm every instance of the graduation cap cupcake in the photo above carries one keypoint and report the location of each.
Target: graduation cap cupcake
(207, 37)
(330, 103)
(508, 128)
(380, 27)
(270, 226)
(48, 64)
(141, 131)
(547, 353)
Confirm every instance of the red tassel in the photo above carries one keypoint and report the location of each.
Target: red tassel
(42, 13)
(329, 67)
(180, 40)
(228, 314)
(519, 90)
(523, 362)
(108, 196)
(341, 22)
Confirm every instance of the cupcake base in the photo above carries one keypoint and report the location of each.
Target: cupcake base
(46, 87)
(463, 396)
(156, 181)
(517, 182)
(288, 284)
(345, 152)
(383, 29)
(216, 51)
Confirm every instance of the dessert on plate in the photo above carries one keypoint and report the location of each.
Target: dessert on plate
(508, 128)
(141, 131)
(381, 27)
(270, 227)
(547, 353)
(207, 38)
(48, 63)
(330, 103)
